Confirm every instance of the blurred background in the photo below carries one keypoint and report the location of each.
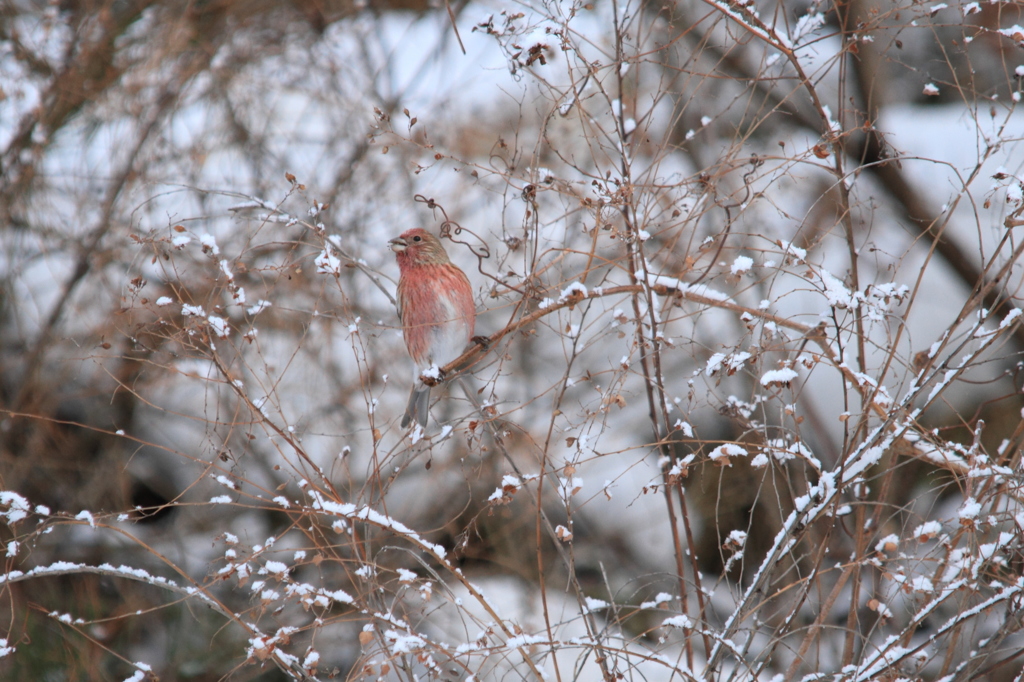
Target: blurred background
(197, 318)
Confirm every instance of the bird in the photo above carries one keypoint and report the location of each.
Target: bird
(436, 308)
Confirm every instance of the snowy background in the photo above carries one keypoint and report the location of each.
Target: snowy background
(752, 403)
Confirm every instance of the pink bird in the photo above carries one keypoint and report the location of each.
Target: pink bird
(435, 305)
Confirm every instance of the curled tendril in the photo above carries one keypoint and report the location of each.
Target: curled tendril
(450, 229)
(755, 163)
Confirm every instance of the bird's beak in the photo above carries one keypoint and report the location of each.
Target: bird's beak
(398, 245)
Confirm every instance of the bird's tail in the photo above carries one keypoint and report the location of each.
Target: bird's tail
(419, 404)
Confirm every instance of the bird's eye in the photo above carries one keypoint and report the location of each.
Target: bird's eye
(417, 239)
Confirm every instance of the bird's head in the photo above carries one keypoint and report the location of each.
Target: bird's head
(419, 247)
